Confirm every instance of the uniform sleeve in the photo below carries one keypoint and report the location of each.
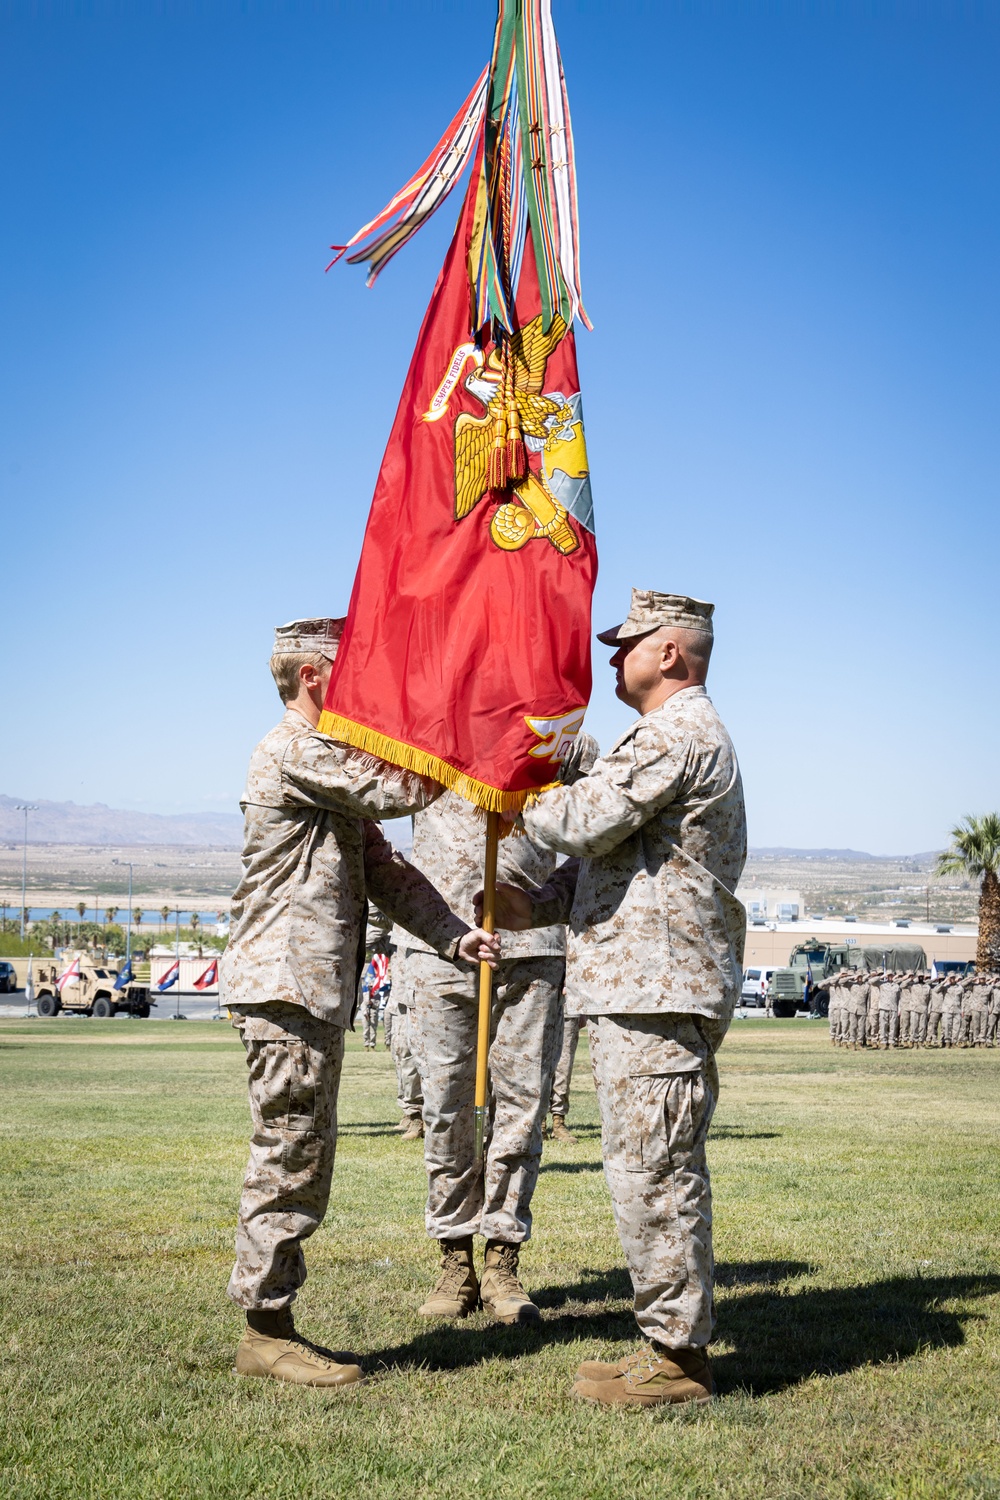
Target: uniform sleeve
(622, 792)
(580, 761)
(406, 895)
(319, 772)
(551, 904)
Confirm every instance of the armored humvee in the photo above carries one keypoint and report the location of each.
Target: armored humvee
(794, 988)
(93, 994)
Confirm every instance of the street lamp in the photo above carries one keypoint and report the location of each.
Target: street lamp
(26, 808)
(128, 938)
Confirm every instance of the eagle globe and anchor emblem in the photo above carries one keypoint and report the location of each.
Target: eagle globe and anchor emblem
(555, 491)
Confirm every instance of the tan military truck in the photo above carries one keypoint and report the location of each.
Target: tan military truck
(93, 994)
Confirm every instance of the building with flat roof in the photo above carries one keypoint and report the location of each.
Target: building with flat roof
(772, 942)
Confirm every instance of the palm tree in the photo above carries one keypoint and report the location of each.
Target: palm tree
(81, 909)
(195, 924)
(110, 914)
(164, 915)
(137, 915)
(975, 853)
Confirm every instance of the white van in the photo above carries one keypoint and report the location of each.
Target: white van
(755, 982)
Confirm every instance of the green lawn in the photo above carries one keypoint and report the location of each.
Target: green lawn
(857, 1227)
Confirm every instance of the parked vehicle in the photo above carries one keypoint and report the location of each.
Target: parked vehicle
(790, 988)
(91, 993)
(8, 978)
(948, 966)
(755, 983)
(795, 988)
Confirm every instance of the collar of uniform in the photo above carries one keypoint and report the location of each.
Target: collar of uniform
(296, 716)
(662, 708)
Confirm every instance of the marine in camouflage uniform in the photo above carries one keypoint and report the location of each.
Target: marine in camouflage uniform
(858, 1009)
(398, 1038)
(464, 1197)
(656, 835)
(905, 982)
(839, 998)
(563, 1077)
(935, 1014)
(994, 1016)
(951, 1013)
(920, 997)
(289, 978)
(871, 1019)
(888, 1010)
(376, 941)
(978, 1010)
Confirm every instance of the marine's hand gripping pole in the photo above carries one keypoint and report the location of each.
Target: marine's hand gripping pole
(486, 981)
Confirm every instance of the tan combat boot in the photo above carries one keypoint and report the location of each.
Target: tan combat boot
(653, 1376)
(414, 1129)
(559, 1131)
(271, 1347)
(501, 1291)
(456, 1294)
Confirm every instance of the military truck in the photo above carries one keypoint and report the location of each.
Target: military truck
(93, 994)
(808, 963)
(794, 988)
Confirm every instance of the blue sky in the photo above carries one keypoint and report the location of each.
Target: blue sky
(790, 241)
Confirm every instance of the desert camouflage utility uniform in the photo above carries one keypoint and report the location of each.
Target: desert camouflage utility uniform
(871, 1020)
(654, 961)
(449, 845)
(935, 1013)
(839, 995)
(563, 1075)
(290, 974)
(951, 1015)
(920, 999)
(978, 1009)
(888, 1012)
(905, 983)
(994, 1015)
(857, 1010)
(398, 1032)
(376, 941)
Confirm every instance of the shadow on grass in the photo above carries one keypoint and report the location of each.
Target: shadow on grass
(732, 1133)
(571, 1166)
(781, 1337)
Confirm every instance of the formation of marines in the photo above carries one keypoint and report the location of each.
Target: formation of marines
(635, 932)
(912, 1009)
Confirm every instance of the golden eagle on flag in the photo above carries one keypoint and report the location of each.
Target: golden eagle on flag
(466, 652)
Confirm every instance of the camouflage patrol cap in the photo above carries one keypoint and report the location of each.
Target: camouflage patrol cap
(650, 610)
(298, 636)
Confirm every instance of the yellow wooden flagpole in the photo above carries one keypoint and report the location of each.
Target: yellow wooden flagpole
(486, 981)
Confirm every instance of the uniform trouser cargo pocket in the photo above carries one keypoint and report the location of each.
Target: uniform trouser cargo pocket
(666, 1119)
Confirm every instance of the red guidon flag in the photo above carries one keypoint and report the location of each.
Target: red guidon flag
(466, 653)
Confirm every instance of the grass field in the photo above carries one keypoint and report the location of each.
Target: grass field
(857, 1223)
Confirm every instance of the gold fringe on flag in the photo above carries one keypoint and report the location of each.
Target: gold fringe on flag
(488, 798)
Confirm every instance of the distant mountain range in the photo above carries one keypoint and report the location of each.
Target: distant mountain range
(852, 856)
(68, 823)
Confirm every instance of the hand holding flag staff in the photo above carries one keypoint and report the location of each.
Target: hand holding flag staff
(466, 652)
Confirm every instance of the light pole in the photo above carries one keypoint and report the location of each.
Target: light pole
(26, 808)
(128, 936)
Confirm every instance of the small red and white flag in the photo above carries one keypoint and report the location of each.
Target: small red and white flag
(210, 976)
(171, 976)
(380, 969)
(71, 976)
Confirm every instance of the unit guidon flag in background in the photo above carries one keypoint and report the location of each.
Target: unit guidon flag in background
(466, 653)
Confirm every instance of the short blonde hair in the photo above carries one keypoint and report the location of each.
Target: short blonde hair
(285, 670)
